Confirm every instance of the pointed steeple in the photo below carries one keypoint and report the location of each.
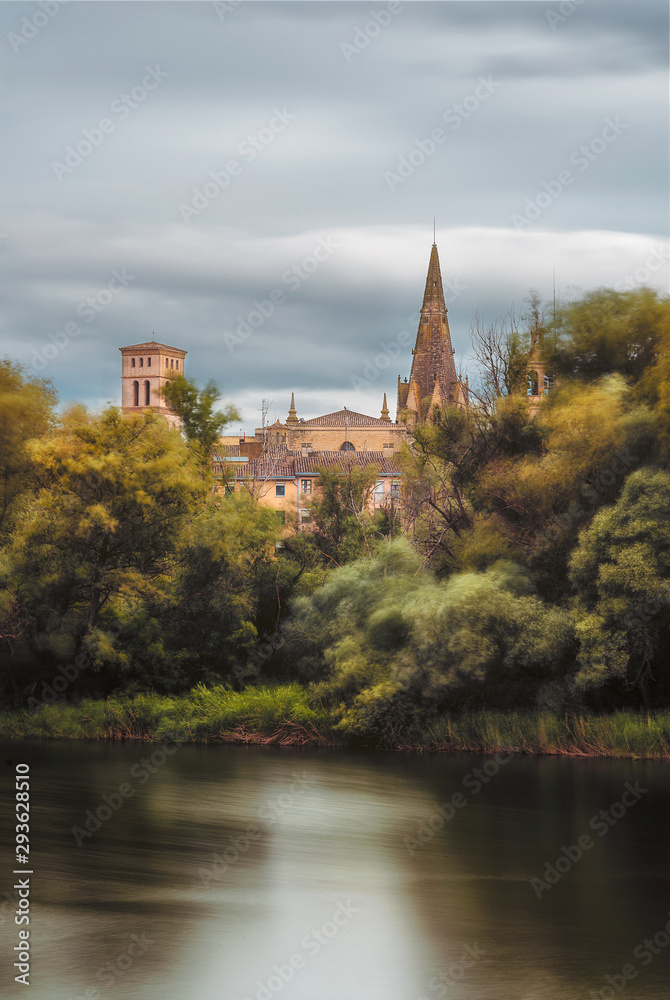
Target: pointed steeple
(385, 410)
(433, 376)
(433, 296)
(292, 418)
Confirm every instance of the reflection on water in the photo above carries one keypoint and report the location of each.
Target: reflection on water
(225, 873)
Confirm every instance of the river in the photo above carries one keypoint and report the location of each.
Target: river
(247, 873)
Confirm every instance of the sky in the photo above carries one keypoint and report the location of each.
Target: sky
(256, 182)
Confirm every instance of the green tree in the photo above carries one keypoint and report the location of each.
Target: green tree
(344, 525)
(608, 332)
(105, 526)
(621, 575)
(26, 412)
(201, 422)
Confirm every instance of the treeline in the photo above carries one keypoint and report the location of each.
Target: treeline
(527, 568)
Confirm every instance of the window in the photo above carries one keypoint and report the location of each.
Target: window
(379, 491)
(147, 393)
(176, 364)
(305, 517)
(136, 393)
(395, 489)
(306, 444)
(228, 489)
(347, 446)
(132, 362)
(171, 362)
(141, 362)
(281, 516)
(280, 490)
(306, 485)
(149, 362)
(166, 362)
(548, 382)
(532, 384)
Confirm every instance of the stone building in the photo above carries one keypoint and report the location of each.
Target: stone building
(344, 430)
(145, 370)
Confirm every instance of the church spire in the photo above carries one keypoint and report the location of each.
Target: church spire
(433, 376)
(433, 296)
(292, 418)
(385, 410)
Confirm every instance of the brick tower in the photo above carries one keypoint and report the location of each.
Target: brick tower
(433, 378)
(145, 369)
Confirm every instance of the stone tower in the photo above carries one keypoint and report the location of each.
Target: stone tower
(145, 369)
(433, 378)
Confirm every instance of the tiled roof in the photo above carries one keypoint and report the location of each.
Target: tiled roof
(294, 464)
(153, 345)
(350, 417)
(310, 463)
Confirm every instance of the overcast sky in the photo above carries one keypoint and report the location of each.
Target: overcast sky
(551, 151)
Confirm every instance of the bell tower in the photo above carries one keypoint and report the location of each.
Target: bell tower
(145, 369)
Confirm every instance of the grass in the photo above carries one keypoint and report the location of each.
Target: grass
(621, 734)
(281, 715)
(286, 715)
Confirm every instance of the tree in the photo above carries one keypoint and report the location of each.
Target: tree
(621, 575)
(105, 526)
(26, 412)
(201, 423)
(608, 332)
(501, 353)
(343, 523)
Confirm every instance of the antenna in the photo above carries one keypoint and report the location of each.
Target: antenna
(265, 406)
(554, 295)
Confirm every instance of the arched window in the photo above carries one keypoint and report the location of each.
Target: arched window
(347, 446)
(141, 362)
(147, 393)
(176, 364)
(171, 362)
(132, 362)
(149, 362)
(166, 362)
(532, 384)
(136, 393)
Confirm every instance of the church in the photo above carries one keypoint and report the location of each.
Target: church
(279, 464)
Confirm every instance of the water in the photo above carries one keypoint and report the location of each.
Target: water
(334, 890)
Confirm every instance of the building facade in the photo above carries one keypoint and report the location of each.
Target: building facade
(145, 370)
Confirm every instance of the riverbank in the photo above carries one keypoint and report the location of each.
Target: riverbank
(286, 716)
